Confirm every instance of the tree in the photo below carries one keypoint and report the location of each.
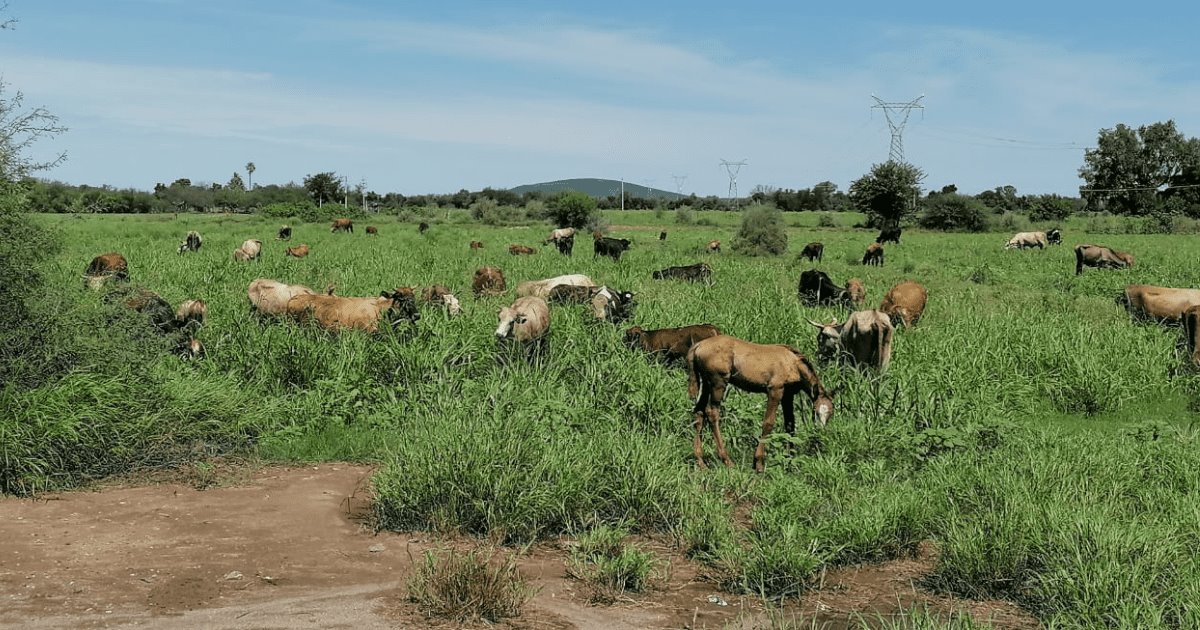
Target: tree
(1049, 208)
(888, 193)
(1000, 199)
(1129, 170)
(573, 209)
(323, 187)
(250, 168)
(20, 129)
(235, 183)
(763, 232)
(951, 211)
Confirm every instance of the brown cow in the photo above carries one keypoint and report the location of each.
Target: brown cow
(858, 293)
(344, 225)
(669, 344)
(779, 371)
(1191, 329)
(813, 251)
(874, 255)
(476, 244)
(336, 313)
(440, 295)
(905, 303)
(299, 251)
(865, 339)
(1100, 256)
(371, 229)
(517, 250)
(105, 267)
(714, 246)
(488, 281)
(1161, 304)
(250, 250)
(526, 320)
(270, 297)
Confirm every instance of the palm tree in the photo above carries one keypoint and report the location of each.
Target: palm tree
(249, 175)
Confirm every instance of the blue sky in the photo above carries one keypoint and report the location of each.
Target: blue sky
(433, 97)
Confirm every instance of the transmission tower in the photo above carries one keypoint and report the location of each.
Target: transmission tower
(902, 110)
(733, 168)
(680, 180)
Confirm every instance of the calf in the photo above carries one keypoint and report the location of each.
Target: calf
(611, 305)
(299, 251)
(905, 303)
(1054, 237)
(249, 250)
(874, 255)
(1191, 331)
(699, 272)
(335, 313)
(779, 371)
(813, 251)
(191, 243)
(1100, 257)
(816, 288)
(105, 267)
(488, 281)
(858, 293)
(1160, 304)
(343, 225)
(517, 250)
(669, 344)
(526, 321)
(372, 230)
(285, 233)
(865, 339)
(476, 244)
(888, 234)
(441, 296)
(542, 288)
(714, 246)
(1026, 240)
(611, 247)
(565, 245)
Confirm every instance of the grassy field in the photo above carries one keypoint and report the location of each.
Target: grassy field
(1047, 444)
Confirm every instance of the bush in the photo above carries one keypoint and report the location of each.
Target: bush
(954, 213)
(573, 209)
(763, 232)
(609, 566)
(685, 216)
(488, 212)
(826, 220)
(462, 586)
(25, 330)
(1050, 208)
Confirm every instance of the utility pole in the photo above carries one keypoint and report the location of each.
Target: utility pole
(345, 194)
(896, 151)
(733, 168)
(622, 193)
(362, 187)
(680, 180)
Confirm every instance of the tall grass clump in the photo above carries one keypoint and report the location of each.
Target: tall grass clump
(763, 232)
(608, 565)
(471, 585)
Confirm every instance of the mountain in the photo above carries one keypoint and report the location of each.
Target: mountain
(597, 188)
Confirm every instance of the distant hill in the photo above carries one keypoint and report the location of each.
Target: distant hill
(598, 188)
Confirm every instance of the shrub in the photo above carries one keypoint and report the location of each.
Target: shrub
(685, 216)
(826, 220)
(25, 330)
(1050, 208)
(573, 209)
(763, 232)
(954, 213)
(609, 566)
(471, 585)
(489, 212)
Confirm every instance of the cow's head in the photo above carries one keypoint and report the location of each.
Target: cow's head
(620, 306)
(829, 338)
(403, 306)
(1125, 257)
(823, 405)
(508, 317)
(633, 337)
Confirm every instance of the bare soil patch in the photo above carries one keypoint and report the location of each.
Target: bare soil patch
(287, 548)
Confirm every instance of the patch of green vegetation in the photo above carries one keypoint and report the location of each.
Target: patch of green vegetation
(469, 585)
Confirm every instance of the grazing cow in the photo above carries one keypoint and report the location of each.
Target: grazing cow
(285, 233)
(372, 230)
(441, 296)
(597, 235)
(1054, 237)
(191, 243)
(699, 272)
(858, 293)
(1191, 330)
(1100, 257)
(816, 288)
(887, 234)
(565, 244)
(864, 339)
(191, 314)
(476, 244)
(335, 313)
(1160, 304)
(1026, 240)
(611, 305)
(249, 250)
(526, 320)
(299, 251)
(611, 247)
(874, 255)
(905, 303)
(344, 225)
(270, 297)
(714, 246)
(488, 281)
(571, 294)
(178, 326)
(669, 344)
(422, 228)
(555, 234)
(105, 267)
(813, 251)
(662, 236)
(517, 250)
(542, 288)
(779, 371)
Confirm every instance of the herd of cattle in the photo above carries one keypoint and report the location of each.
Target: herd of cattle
(713, 359)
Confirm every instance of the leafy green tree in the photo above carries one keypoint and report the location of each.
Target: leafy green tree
(888, 193)
(573, 209)
(953, 212)
(323, 187)
(1131, 169)
(1050, 208)
(763, 232)
(250, 168)
(235, 183)
(1000, 199)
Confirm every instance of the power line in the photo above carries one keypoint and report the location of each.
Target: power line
(896, 150)
(680, 180)
(1140, 188)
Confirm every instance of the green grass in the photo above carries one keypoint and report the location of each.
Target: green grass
(1025, 425)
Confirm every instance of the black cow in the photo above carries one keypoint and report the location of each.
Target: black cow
(813, 251)
(285, 233)
(662, 236)
(1054, 237)
(888, 234)
(817, 288)
(611, 247)
(565, 244)
(422, 227)
(192, 243)
(699, 272)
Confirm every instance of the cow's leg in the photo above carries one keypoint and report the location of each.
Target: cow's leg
(774, 395)
(789, 418)
(714, 419)
(698, 412)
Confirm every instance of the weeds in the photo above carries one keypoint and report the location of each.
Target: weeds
(610, 566)
(471, 585)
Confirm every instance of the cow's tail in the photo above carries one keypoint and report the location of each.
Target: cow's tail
(693, 375)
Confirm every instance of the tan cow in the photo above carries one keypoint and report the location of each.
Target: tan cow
(1162, 304)
(858, 293)
(517, 250)
(874, 255)
(1025, 240)
(270, 297)
(345, 225)
(191, 314)
(299, 251)
(526, 320)
(1101, 257)
(905, 303)
(779, 371)
(335, 313)
(560, 233)
(1191, 330)
(542, 288)
(864, 339)
(714, 246)
(105, 267)
(488, 281)
(249, 250)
